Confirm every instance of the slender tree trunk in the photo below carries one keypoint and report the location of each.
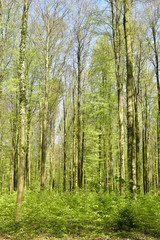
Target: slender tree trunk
(137, 130)
(137, 138)
(70, 175)
(27, 172)
(82, 157)
(134, 160)
(59, 176)
(79, 62)
(104, 136)
(40, 128)
(45, 113)
(158, 98)
(74, 142)
(16, 165)
(145, 147)
(64, 150)
(22, 105)
(29, 115)
(15, 140)
(129, 92)
(155, 169)
(111, 183)
(1, 83)
(144, 142)
(121, 139)
(117, 52)
(11, 176)
(100, 158)
(79, 115)
(105, 162)
(52, 155)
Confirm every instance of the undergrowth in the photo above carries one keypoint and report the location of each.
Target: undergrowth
(79, 213)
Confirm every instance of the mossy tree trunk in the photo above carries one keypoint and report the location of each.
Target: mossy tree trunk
(22, 110)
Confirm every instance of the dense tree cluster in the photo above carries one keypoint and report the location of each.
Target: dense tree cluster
(79, 96)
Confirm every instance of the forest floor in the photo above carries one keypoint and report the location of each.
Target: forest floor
(82, 215)
(132, 236)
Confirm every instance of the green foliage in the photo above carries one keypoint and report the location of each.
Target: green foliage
(82, 213)
(126, 218)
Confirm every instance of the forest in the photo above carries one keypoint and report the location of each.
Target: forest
(80, 119)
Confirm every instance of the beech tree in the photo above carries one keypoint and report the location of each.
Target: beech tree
(22, 110)
(116, 8)
(130, 93)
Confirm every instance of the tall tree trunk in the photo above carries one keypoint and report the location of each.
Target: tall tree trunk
(29, 116)
(41, 130)
(137, 138)
(79, 62)
(100, 157)
(74, 140)
(137, 130)
(82, 157)
(22, 112)
(145, 145)
(117, 53)
(1, 83)
(158, 98)
(11, 176)
(155, 169)
(45, 113)
(121, 138)
(64, 148)
(105, 162)
(129, 92)
(27, 169)
(110, 157)
(15, 141)
(79, 114)
(52, 155)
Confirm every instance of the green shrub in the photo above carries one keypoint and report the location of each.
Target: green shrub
(126, 218)
(83, 213)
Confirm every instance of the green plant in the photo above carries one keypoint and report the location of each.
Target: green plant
(126, 218)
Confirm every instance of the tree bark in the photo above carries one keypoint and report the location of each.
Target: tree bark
(74, 140)
(137, 138)
(64, 147)
(116, 32)
(45, 113)
(100, 157)
(129, 92)
(15, 141)
(137, 130)
(79, 112)
(1, 84)
(110, 157)
(145, 145)
(22, 112)
(158, 98)
(82, 157)
(52, 155)
(29, 115)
